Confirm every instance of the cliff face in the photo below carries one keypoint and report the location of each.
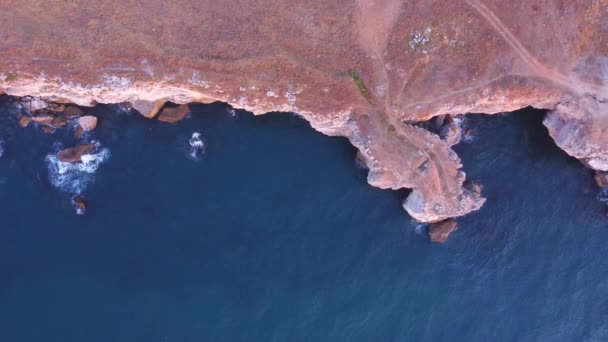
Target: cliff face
(363, 69)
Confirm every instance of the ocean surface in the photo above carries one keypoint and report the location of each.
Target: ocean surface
(272, 234)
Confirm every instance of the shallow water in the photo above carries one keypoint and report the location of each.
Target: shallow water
(274, 235)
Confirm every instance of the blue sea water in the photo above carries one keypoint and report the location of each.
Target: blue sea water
(274, 235)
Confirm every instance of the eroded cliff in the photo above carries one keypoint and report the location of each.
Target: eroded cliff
(367, 70)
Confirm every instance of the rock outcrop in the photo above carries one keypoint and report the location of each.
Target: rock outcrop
(601, 179)
(440, 232)
(174, 114)
(148, 109)
(80, 204)
(74, 154)
(87, 122)
(367, 70)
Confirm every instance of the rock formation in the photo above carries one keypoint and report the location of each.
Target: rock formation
(80, 204)
(74, 154)
(601, 179)
(174, 114)
(440, 232)
(87, 122)
(367, 70)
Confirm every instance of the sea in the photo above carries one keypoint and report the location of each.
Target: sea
(232, 227)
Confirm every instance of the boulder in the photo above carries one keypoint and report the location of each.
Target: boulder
(72, 112)
(148, 109)
(24, 121)
(79, 132)
(74, 154)
(43, 119)
(440, 232)
(80, 204)
(87, 122)
(59, 121)
(174, 114)
(56, 107)
(601, 179)
(33, 104)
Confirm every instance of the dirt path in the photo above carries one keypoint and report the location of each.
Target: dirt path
(535, 66)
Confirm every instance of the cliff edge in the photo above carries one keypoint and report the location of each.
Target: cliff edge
(367, 70)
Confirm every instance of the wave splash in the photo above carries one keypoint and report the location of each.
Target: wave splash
(74, 178)
(197, 146)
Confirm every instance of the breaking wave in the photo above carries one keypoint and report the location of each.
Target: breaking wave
(1, 148)
(197, 146)
(74, 178)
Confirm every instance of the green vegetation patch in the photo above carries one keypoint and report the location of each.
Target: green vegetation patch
(359, 82)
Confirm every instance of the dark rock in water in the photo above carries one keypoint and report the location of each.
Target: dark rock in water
(59, 121)
(43, 119)
(24, 121)
(79, 132)
(601, 179)
(79, 204)
(72, 112)
(174, 114)
(148, 109)
(74, 154)
(56, 107)
(468, 133)
(475, 187)
(440, 232)
(48, 129)
(87, 122)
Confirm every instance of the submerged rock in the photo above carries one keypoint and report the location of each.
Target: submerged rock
(174, 114)
(74, 154)
(79, 133)
(71, 112)
(48, 129)
(87, 123)
(80, 204)
(59, 121)
(440, 232)
(601, 179)
(24, 121)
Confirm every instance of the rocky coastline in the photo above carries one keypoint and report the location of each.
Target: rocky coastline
(375, 72)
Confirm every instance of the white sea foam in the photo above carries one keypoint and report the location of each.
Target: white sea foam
(197, 146)
(74, 178)
(231, 111)
(1, 148)
(420, 228)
